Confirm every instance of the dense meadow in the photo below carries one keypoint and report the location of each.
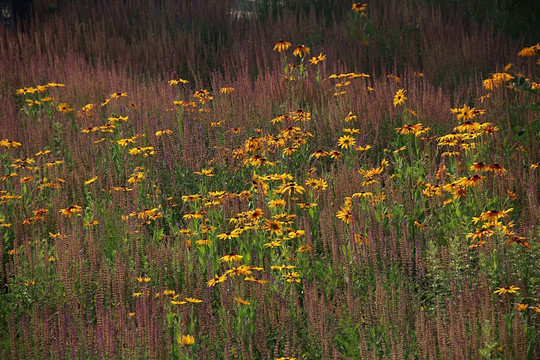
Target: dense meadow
(269, 180)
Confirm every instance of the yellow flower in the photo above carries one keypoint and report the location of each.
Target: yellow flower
(64, 108)
(399, 98)
(351, 131)
(73, 209)
(118, 95)
(231, 257)
(186, 340)
(408, 129)
(319, 153)
(87, 182)
(301, 50)
(205, 172)
(345, 214)
(274, 226)
(125, 142)
(350, 117)
(346, 141)
(9, 143)
(226, 90)
(178, 81)
(277, 203)
(241, 301)
(282, 45)
(291, 187)
(216, 280)
(317, 59)
(506, 289)
(358, 7)
(496, 80)
(334, 154)
(114, 119)
(529, 51)
(228, 235)
(365, 148)
(522, 307)
(174, 302)
(162, 132)
(304, 248)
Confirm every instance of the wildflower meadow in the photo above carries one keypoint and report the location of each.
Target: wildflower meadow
(269, 180)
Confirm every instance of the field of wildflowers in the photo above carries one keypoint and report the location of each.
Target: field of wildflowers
(268, 180)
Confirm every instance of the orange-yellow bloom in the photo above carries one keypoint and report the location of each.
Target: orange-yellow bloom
(301, 50)
(282, 45)
(186, 340)
(73, 209)
(399, 98)
(507, 289)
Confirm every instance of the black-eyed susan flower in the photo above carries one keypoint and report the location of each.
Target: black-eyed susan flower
(319, 153)
(409, 129)
(520, 240)
(399, 98)
(529, 51)
(359, 7)
(252, 279)
(228, 235)
(301, 50)
(226, 90)
(346, 141)
(64, 108)
(351, 131)
(363, 148)
(282, 45)
(163, 132)
(117, 95)
(241, 301)
(231, 257)
(350, 117)
(345, 214)
(304, 248)
(178, 81)
(507, 289)
(478, 166)
(277, 203)
(90, 181)
(274, 227)
(292, 277)
(186, 340)
(216, 280)
(9, 143)
(334, 154)
(496, 168)
(291, 187)
(317, 59)
(242, 270)
(255, 214)
(69, 211)
(205, 172)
